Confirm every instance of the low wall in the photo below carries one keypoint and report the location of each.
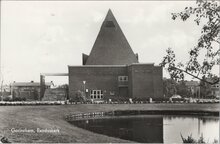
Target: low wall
(93, 115)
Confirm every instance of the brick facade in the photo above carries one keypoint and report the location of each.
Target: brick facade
(144, 80)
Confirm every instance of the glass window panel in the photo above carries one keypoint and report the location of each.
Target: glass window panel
(122, 78)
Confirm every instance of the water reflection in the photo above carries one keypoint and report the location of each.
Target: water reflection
(197, 126)
(154, 128)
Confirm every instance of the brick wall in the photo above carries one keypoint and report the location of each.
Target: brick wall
(158, 81)
(144, 80)
(97, 78)
(142, 84)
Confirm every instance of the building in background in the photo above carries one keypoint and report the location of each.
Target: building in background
(193, 88)
(27, 90)
(5, 91)
(59, 93)
(215, 90)
(112, 70)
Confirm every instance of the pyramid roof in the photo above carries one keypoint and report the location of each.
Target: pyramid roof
(111, 46)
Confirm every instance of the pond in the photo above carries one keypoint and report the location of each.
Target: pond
(154, 128)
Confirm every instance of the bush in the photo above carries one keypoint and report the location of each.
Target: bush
(74, 100)
(140, 99)
(120, 99)
(7, 99)
(160, 99)
(178, 99)
(19, 99)
(14, 99)
(190, 139)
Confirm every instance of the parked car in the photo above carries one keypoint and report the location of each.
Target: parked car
(176, 96)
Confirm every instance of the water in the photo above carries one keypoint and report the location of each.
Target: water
(154, 128)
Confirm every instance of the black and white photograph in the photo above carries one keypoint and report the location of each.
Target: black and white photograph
(109, 71)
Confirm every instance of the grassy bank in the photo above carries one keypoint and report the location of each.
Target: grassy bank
(53, 118)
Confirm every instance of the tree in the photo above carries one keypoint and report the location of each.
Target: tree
(205, 88)
(208, 11)
(169, 87)
(182, 89)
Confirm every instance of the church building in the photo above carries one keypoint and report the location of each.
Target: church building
(112, 69)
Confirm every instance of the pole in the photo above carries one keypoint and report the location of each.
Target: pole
(219, 77)
(1, 90)
(219, 74)
(84, 88)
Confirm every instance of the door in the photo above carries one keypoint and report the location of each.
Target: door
(123, 91)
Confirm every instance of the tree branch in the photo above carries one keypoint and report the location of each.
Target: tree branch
(212, 83)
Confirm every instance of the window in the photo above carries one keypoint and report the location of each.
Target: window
(109, 24)
(96, 94)
(122, 78)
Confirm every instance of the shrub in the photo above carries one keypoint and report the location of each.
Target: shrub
(160, 99)
(189, 139)
(201, 139)
(19, 99)
(7, 99)
(140, 99)
(178, 99)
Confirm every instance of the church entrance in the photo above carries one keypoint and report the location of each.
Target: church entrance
(96, 94)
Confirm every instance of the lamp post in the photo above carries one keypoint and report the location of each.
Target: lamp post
(84, 88)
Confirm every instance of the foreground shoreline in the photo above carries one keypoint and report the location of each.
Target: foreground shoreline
(53, 118)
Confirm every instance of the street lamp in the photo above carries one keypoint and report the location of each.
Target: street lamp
(84, 87)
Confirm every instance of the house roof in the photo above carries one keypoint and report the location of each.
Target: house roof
(111, 46)
(28, 84)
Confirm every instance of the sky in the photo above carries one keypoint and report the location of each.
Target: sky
(47, 36)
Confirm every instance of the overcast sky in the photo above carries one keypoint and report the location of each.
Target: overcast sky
(46, 36)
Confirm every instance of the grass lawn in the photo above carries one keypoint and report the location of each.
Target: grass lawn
(52, 117)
